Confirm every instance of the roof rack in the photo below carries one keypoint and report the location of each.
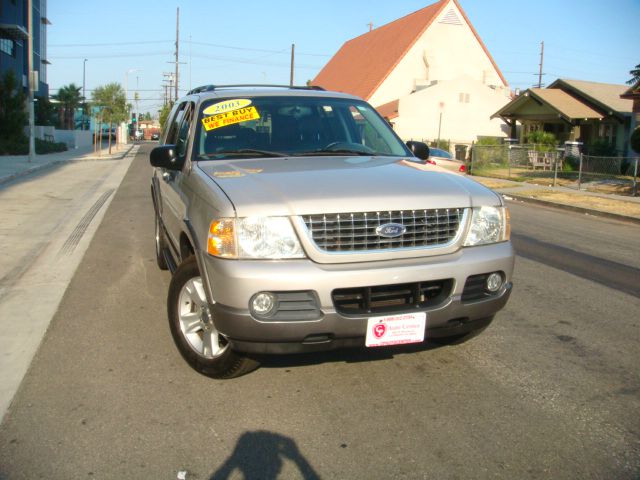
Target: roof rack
(210, 88)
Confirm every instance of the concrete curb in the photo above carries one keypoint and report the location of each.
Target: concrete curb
(37, 168)
(571, 208)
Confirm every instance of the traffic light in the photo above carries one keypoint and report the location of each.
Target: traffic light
(133, 118)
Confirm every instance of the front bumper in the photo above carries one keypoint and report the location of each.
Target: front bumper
(233, 283)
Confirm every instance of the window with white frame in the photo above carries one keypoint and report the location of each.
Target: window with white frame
(7, 46)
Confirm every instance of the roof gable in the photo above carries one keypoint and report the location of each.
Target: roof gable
(604, 96)
(555, 99)
(364, 62)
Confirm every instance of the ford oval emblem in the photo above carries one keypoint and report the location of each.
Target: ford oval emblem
(391, 230)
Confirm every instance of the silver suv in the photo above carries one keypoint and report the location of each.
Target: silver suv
(295, 220)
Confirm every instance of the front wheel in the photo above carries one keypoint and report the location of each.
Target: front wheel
(193, 327)
(160, 245)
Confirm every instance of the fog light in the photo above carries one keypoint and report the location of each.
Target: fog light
(263, 303)
(494, 282)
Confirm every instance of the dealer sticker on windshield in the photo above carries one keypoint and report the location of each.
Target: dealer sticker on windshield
(396, 329)
(229, 118)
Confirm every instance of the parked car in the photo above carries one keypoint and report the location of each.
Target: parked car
(155, 136)
(444, 159)
(105, 133)
(295, 220)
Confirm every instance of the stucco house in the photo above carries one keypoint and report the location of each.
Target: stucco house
(575, 111)
(428, 72)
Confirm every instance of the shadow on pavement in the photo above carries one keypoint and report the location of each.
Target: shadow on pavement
(346, 355)
(261, 455)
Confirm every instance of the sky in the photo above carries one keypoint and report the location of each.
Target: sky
(133, 42)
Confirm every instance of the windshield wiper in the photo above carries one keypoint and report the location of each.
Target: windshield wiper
(246, 151)
(333, 151)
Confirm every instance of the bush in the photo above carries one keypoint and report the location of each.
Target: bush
(635, 140)
(20, 146)
(43, 147)
(571, 164)
(442, 144)
(602, 148)
(489, 141)
(542, 141)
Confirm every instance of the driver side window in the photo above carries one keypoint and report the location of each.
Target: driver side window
(179, 129)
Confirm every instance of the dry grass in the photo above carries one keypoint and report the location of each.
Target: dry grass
(585, 201)
(495, 183)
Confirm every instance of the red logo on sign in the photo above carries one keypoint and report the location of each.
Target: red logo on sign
(379, 330)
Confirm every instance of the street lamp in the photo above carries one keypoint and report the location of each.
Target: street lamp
(84, 97)
(441, 105)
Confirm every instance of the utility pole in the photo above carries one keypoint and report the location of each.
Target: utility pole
(293, 53)
(177, 48)
(541, 63)
(168, 87)
(31, 82)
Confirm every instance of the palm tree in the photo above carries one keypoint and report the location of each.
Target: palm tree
(70, 99)
(635, 76)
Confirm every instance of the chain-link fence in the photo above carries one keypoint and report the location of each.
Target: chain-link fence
(537, 164)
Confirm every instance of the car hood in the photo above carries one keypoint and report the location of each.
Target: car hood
(310, 185)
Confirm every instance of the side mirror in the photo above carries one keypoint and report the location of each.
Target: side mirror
(419, 149)
(166, 156)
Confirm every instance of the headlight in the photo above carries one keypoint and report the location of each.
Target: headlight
(488, 225)
(253, 237)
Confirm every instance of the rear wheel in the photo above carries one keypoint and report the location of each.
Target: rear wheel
(193, 327)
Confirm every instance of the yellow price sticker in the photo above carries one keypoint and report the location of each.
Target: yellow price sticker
(230, 118)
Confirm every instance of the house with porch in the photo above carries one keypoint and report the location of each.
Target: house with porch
(428, 73)
(574, 111)
(633, 94)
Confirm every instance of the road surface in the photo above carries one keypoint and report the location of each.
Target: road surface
(550, 390)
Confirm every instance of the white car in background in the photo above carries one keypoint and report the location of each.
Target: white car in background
(444, 159)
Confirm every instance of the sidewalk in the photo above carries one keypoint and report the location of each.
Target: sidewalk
(16, 166)
(620, 207)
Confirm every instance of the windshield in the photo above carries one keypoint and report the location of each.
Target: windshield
(292, 126)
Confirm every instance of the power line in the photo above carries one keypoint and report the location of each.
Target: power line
(204, 44)
(112, 44)
(115, 55)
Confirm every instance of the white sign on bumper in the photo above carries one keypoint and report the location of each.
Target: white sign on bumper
(396, 329)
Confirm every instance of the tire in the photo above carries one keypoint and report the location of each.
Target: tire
(193, 328)
(160, 246)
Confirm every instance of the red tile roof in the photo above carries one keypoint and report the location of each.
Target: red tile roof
(389, 110)
(363, 63)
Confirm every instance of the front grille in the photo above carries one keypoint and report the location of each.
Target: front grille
(390, 298)
(353, 232)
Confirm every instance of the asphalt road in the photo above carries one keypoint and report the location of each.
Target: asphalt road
(550, 390)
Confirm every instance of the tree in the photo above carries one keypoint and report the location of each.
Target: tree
(164, 114)
(635, 75)
(44, 111)
(13, 114)
(112, 102)
(70, 99)
(635, 140)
